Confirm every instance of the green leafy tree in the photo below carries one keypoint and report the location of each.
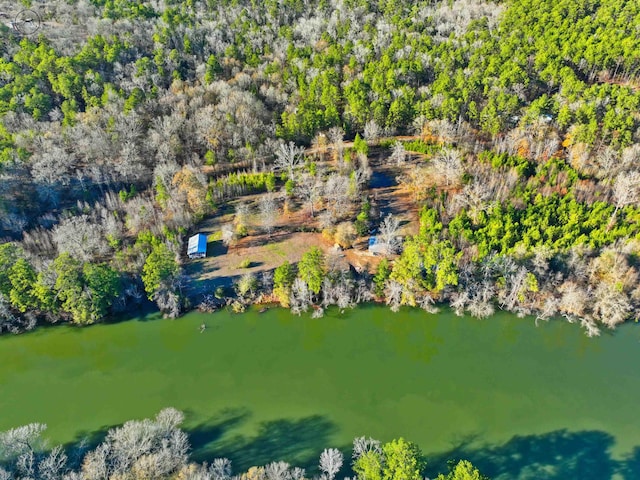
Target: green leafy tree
(283, 278)
(8, 257)
(23, 278)
(410, 264)
(440, 262)
(75, 300)
(247, 284)
(360, 145)
(159, 268)
(381, 276)
(463, 470)
(47, 298)
(289, 187)
(362, 220)
(403, 460)
(213, 69)
(311, 269)
(68, 283)
(104, 285)
(270, 182)
(369, 465)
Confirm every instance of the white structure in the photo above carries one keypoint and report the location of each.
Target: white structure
(197, 246)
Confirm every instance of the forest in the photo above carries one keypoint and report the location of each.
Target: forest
(159, 449)
(514, 126)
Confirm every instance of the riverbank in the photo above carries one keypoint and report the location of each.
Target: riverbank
(445, 227)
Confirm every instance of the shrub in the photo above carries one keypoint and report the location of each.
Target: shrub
(345, 234)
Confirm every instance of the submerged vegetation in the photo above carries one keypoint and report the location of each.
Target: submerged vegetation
(512, 125)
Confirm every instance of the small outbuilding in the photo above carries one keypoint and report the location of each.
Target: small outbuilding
(197, 246)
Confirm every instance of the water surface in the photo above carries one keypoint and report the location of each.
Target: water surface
(522, 402)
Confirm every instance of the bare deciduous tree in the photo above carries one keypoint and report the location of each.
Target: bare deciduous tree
(514, 285)
(20, 440)
(331, 461)
(266, 281)
(608, 162)
(300, 297)
(168, 302)
(362, 445)
(426, 303)
(417, 180)
(443, 130)
(268, 212)
(297, 473)
(80, 237)
(308, 188)
(147, 448)
(393, 295)
(372, 131)
(611, 306)
(475, 197)
(277, 471)
(338, 291)
(480, 305)
(363, 292)
(336, 137)
(337, 192)
(326, 219)
(141, 214)
(398, 153)
(8, 321)
(574, 300)
(20, 453)
(52, 166)
(476, 298)
(590, 326)
(389, 230)
(360, 177)
(53, 466)
(289, 158)
(228, 235)
(626, 191)
(548, 310)
(220, 469)
(448, 164)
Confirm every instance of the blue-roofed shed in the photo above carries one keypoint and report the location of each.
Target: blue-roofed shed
(197, 246)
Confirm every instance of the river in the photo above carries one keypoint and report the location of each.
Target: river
(520, 401)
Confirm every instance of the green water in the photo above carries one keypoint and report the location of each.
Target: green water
(522, 402)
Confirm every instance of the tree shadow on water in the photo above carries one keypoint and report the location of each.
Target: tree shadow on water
(206, 434)
(297, 441)
(630, 467)
(83, 442)
(557, 455)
